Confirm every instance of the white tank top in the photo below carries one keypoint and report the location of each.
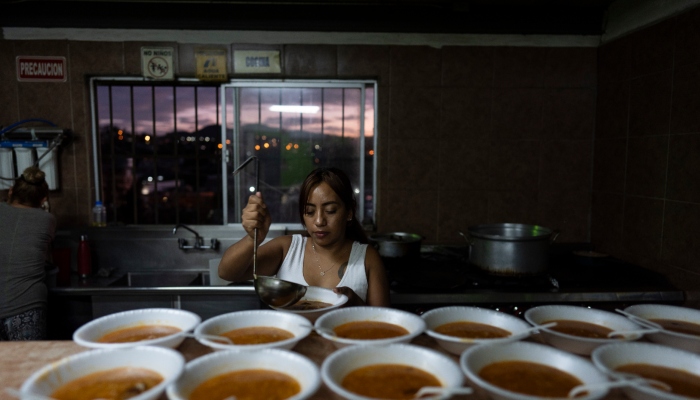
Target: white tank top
(292, 268)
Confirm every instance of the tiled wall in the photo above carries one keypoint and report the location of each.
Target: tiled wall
(467, 135)
(646, 175)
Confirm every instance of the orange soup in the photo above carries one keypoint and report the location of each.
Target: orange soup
(249, 384)
(139, 333)
(471, 330)
(117, 383)
(689, 328)
(309, 305)
(529, 378)
(580, 328)
(681, 382)
(388, 381)
(257, 335)
(369, 330)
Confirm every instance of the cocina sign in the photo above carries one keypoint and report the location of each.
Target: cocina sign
(41, 69)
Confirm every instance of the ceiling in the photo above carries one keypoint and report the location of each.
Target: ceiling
(551, 17)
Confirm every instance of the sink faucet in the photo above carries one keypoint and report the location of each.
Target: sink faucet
(198, 240)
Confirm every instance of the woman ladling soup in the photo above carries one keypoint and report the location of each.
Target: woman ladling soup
(333, 253)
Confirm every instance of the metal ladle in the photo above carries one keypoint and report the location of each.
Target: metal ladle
(272, 291)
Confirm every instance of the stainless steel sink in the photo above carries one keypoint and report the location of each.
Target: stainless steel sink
(153, 279)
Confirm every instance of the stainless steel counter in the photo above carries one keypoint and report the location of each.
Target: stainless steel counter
(110, 287)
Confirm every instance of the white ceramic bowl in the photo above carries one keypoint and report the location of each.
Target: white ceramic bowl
(611, 356)
(167, 362)
(208, 366)
(340, 363)
(326, 323)
(669, 338)
(316, 293)
(88, 334)
(578, 344)
(518, 328)
(475, 358)
(299, 326)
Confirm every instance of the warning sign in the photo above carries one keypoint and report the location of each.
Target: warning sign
(41, 69)
(211, 64)
(157, 63)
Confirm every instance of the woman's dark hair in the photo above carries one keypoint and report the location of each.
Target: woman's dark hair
(30, 189)
(340, 183)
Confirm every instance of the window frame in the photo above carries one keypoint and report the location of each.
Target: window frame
(231, 158)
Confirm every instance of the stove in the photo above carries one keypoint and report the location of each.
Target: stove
(442, 275)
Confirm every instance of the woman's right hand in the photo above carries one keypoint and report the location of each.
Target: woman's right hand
(256, 215)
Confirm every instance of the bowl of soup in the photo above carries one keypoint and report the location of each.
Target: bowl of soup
(678, 369)
(581, 329)
(138, 373)
(145, 327)
(394, 371)
(316, 302)
(264, 374)
(527, 371)
(456, 328)
(253, 330)
(368, 325)
(681, 325)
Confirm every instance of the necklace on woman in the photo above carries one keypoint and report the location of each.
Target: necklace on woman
(313, 246)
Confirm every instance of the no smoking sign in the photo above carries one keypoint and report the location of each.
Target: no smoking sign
(157, 63)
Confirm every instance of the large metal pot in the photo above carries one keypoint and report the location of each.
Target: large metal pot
(510, 249)
(397, 244)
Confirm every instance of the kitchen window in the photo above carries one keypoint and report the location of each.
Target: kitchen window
(166, 151)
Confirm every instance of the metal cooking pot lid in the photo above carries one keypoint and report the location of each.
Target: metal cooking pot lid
(401, 237)
(510, 231)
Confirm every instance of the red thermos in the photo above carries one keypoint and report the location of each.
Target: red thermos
(84, 261)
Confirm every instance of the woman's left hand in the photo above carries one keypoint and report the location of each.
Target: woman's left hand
(353, 298)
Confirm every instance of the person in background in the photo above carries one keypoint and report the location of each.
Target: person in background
(26, 233)
(333, 252)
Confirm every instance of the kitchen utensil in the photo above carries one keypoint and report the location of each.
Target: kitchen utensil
(272, 291)
(510, 249)
(27, 396)
(632, 381)
(397, 244)
(641, 321)
(223, 339)
(442, 391)
(277, 292)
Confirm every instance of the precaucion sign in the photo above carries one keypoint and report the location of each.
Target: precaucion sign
(211, 64)
(41, 69)
(256, 62)
(157, 63)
